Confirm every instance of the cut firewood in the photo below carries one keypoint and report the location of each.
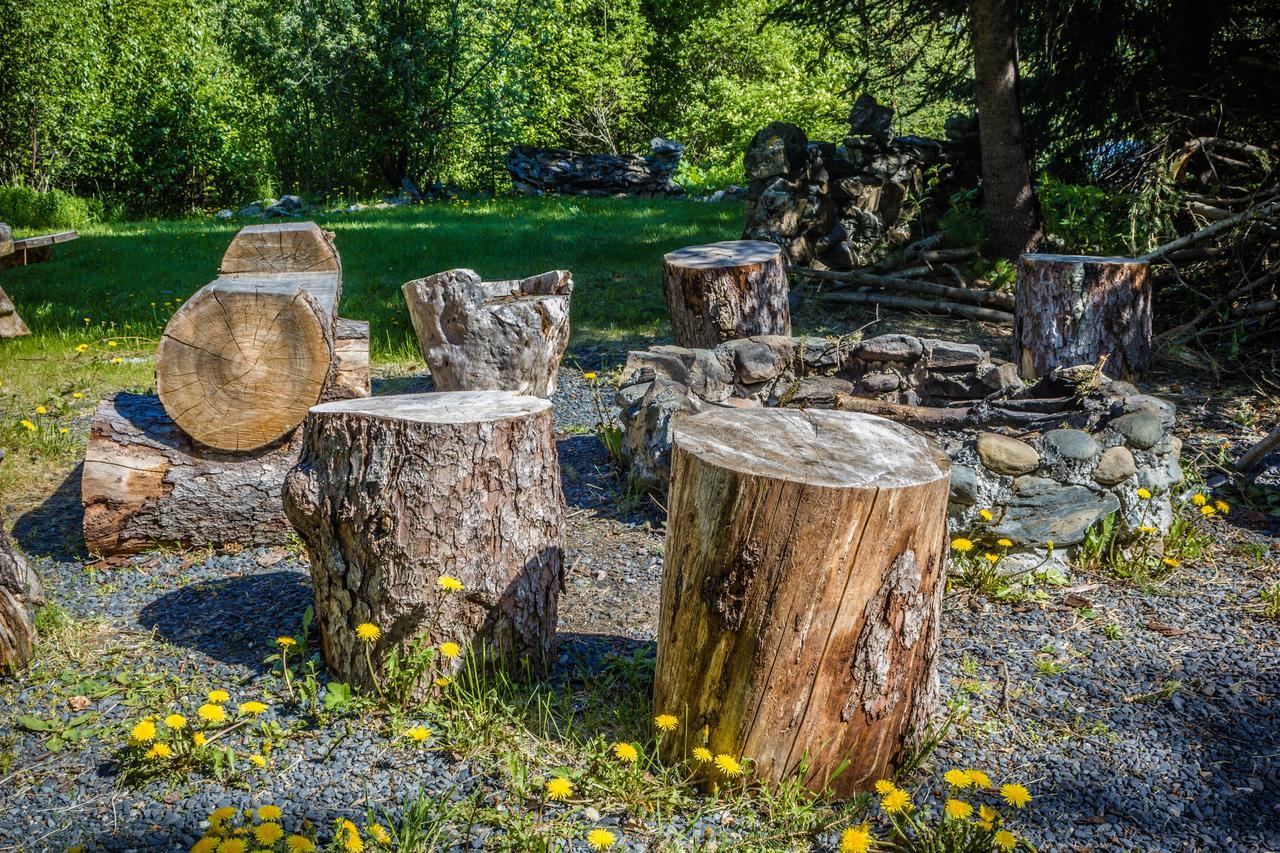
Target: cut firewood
(282, 247)
(927, 306)
(725, 291)
(991, 299)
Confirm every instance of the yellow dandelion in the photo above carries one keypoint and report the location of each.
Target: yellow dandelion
(986, 514)
(702, 755)
(257, 761)
(559, 789)
(219, 696)
(1199, 499)
(1222, 507)
(349, 837)
(1005, 543)
(268, 833)
(1144, 494)
(449, 583)
(212, 713)
(222, 815)
(27, 425)
(884, 786)
(625, 752)
(1005, 840)
(589, 375)
(962, 545)
(112, 344)
(601, 839)
(666, 722)
(379, 833)
(986, 817)
(992, 558)
(299, 844)
(979, 779)
(418, 734)
(232, 845)
(159, 750)
(856, 839)
(728, 765)
(1015, 795)
(269, 812)
(143, 732)
(81, 347)
(64, 430)
(958, 778)
(444, 681)
(368, 632)
(77, 395)
(452, 651)
(896, 801)
(958, 809)
(1207, 511)
(253, 709)
(1146, 529)
(208, 844)
(286, 642)
(199, 739)
(119, 360)
(41, 410)
(1172, 562)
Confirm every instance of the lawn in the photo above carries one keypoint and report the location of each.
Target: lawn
(97, 310)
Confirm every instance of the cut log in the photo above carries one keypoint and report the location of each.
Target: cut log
(725, 291)
(392, 492)
(146, 484)
(492, 336)
(11, 325)
(20, 595)
(244, 358)
(282, 247)
(1075, 309)
(802, 592)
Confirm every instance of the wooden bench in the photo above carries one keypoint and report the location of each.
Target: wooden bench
(19, 253)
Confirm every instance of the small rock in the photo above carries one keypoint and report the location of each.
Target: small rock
(1072, 444)
(880, 383)
(1006, 455)
(1140, 429)
(1162, 409)
(1115, 466)
(949, 355)
(1042, 509)
(964, 485)
(756, 362)
(890, 348)
(225, 213)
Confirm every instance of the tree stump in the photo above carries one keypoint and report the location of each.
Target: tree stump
(282, 247)
(802, 592)
(20, 595)
(492, 336)
(393, 492)
(1075, 309)
(725, 291)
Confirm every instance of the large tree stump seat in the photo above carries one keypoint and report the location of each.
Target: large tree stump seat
(20, 595)
(392, 492)
(725, 291)
(802, 591)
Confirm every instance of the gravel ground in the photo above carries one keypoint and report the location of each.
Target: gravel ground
(1162, 733)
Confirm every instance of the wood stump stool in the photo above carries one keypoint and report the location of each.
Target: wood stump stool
(802, 591)
(1076, 309)
(725, 291)
(392, 492)
(20, 595)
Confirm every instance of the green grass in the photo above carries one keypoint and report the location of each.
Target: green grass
(119, 283)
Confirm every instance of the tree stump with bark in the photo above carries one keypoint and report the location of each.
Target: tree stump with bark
(393, 492)
(20, 595)
(1076, 309)
(492, 335)
(11, 325)
(282, 247)
(725, 291)
(802, 591)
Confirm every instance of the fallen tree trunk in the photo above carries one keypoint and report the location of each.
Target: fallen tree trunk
(952, 417)
(20, 595)
(725, 291)
(927, 306)
(1265, 210)
(1254, 455)
(1002, 301)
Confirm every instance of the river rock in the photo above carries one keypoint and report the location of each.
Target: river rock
(1115, 466)
(890, 348)
(1073, 445)
(949, 355)
(1006, 455)
(881, 383)
(1043, 510)
(1165, 411)
(756, 361)
(1140, 429)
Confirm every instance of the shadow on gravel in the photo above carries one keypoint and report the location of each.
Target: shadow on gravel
(55, 528)
(591, 482)
(234, 620)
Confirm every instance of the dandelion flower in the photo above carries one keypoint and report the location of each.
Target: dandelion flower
(559, 789)
(175, 722)
(143, 732)
(64, 430)
(979, 779)
(208, 844)
(368, 632)
(270, 812)
(1222, 507)
(958, 778)
(601, 839)
(444, 681)
(958, 809)
(702, 755)
(452, 651)
(299, 844)
(199, 739)
(625, 751)
(222, 815)
(212, 713)
(232, 845)
(1005, 543)
(112, 344)
(286, 642)
(992, 558)
(41, 410)
(257, 761)
(1146, 529)
(1005, 840)
(28, 425)
(1172, 562)
(589, 375)
(1015, 795)
(159, 750)
(449, 583)
(884, 786)
(1144, 494)
(728, 765)
(856, 839)
(268, 833)
(349, 837)
(1199, 499)
(219, 696)
(962, 545)
(418, 734)
(986, 817)
(986, 514)
(77, 395)
(1207, 511)
(81, 347)
(666, 722)
(253, 709)
(896, 801)
(379, 833)
(119, 360)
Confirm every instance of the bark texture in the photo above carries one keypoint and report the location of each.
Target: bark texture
(20, 595)
(492, 336)
(1073, 310)
(725, 291)
(802, 592)
(392, 492)
(350, 378)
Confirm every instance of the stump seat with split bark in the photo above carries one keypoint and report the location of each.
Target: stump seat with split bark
(725, 291)
(393, 492)
(802, 591)
(1077, 309)
(491, 335)
(20, 595)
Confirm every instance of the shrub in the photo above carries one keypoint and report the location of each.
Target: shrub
(25, 208)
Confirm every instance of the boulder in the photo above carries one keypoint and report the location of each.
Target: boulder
(778, 149)
(952, 356)
(757, 361)
(1005, 455)
(1140, 429)
(1042, 510)
(1072, 445)
(1115, 466)
(903, 348)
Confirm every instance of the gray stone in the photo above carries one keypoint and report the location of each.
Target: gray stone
(1165, 411)
(758, 362)
(817, 353)
(1006, 455)
(949, 355)
(778, 149)
(709, 377)
(647, 428)
(815, 392)
(1043, 510)
(1000, 377)
(225, 213)
(1070, 444)
(881, 383)
(964, 485)
(671, 362)
(890, 348)
(1140, 429)
(954, 386)
(1115, 466)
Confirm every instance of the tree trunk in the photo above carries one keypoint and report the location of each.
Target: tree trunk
(1013, 220)
(802, 592)
(725, 291)
(392, 492)
(1073, 309)
(492, 336)
(20, 595)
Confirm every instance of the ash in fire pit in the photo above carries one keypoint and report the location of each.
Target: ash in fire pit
(1047, 461)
